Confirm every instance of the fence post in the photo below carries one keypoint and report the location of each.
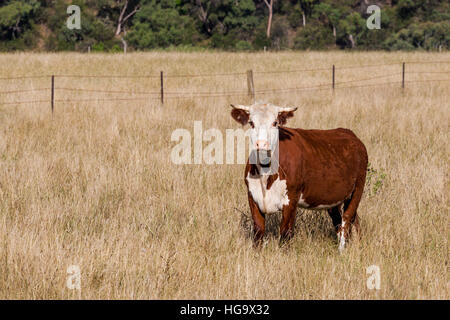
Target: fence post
(53, 93)
(403, 75)
(162, 87)
(333, 77)
(250, 84)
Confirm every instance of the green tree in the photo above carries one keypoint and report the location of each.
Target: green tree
(232, 22)
(159, 24)
(108, 25)
(329, 15)
(425, 36)
(94, 31)
(16, 23)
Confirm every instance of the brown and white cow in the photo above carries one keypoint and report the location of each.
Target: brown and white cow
(317, 169)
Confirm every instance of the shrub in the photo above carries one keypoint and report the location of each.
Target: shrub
(313, 37)
(243, 45)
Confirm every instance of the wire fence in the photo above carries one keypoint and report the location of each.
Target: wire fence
(336, 81)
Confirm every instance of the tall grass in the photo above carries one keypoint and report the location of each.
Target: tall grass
(93, 185)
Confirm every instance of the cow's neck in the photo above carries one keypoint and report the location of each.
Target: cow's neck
(266, 180)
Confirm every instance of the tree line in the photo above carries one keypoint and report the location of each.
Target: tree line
(238, 25)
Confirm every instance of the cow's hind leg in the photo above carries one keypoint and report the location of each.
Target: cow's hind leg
(355, 225)
(336, 216)
(350, 217)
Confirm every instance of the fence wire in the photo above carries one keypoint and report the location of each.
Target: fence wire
(157, 95)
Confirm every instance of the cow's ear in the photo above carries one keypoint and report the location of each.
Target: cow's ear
(284, 114)
(240, 115)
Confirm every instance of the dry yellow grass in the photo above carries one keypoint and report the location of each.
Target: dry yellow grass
(94, 185)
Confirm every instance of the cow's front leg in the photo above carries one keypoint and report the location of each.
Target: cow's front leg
(259, 221)
(288, 221)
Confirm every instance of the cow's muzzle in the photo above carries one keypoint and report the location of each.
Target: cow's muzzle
(264, 157)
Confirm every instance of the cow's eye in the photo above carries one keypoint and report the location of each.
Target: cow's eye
(251, 124)
(275, 123)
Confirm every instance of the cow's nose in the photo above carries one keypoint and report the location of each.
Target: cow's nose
(262, 145)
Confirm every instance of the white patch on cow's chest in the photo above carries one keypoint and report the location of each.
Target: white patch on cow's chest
(268, 201)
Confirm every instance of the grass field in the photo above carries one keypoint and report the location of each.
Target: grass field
(94, 186)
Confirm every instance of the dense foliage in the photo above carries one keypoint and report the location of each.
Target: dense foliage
(109, 25)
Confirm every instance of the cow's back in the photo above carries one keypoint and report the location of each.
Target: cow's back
(324, 144)
(326, 161)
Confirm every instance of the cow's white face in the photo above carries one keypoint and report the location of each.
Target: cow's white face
(264, 119)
